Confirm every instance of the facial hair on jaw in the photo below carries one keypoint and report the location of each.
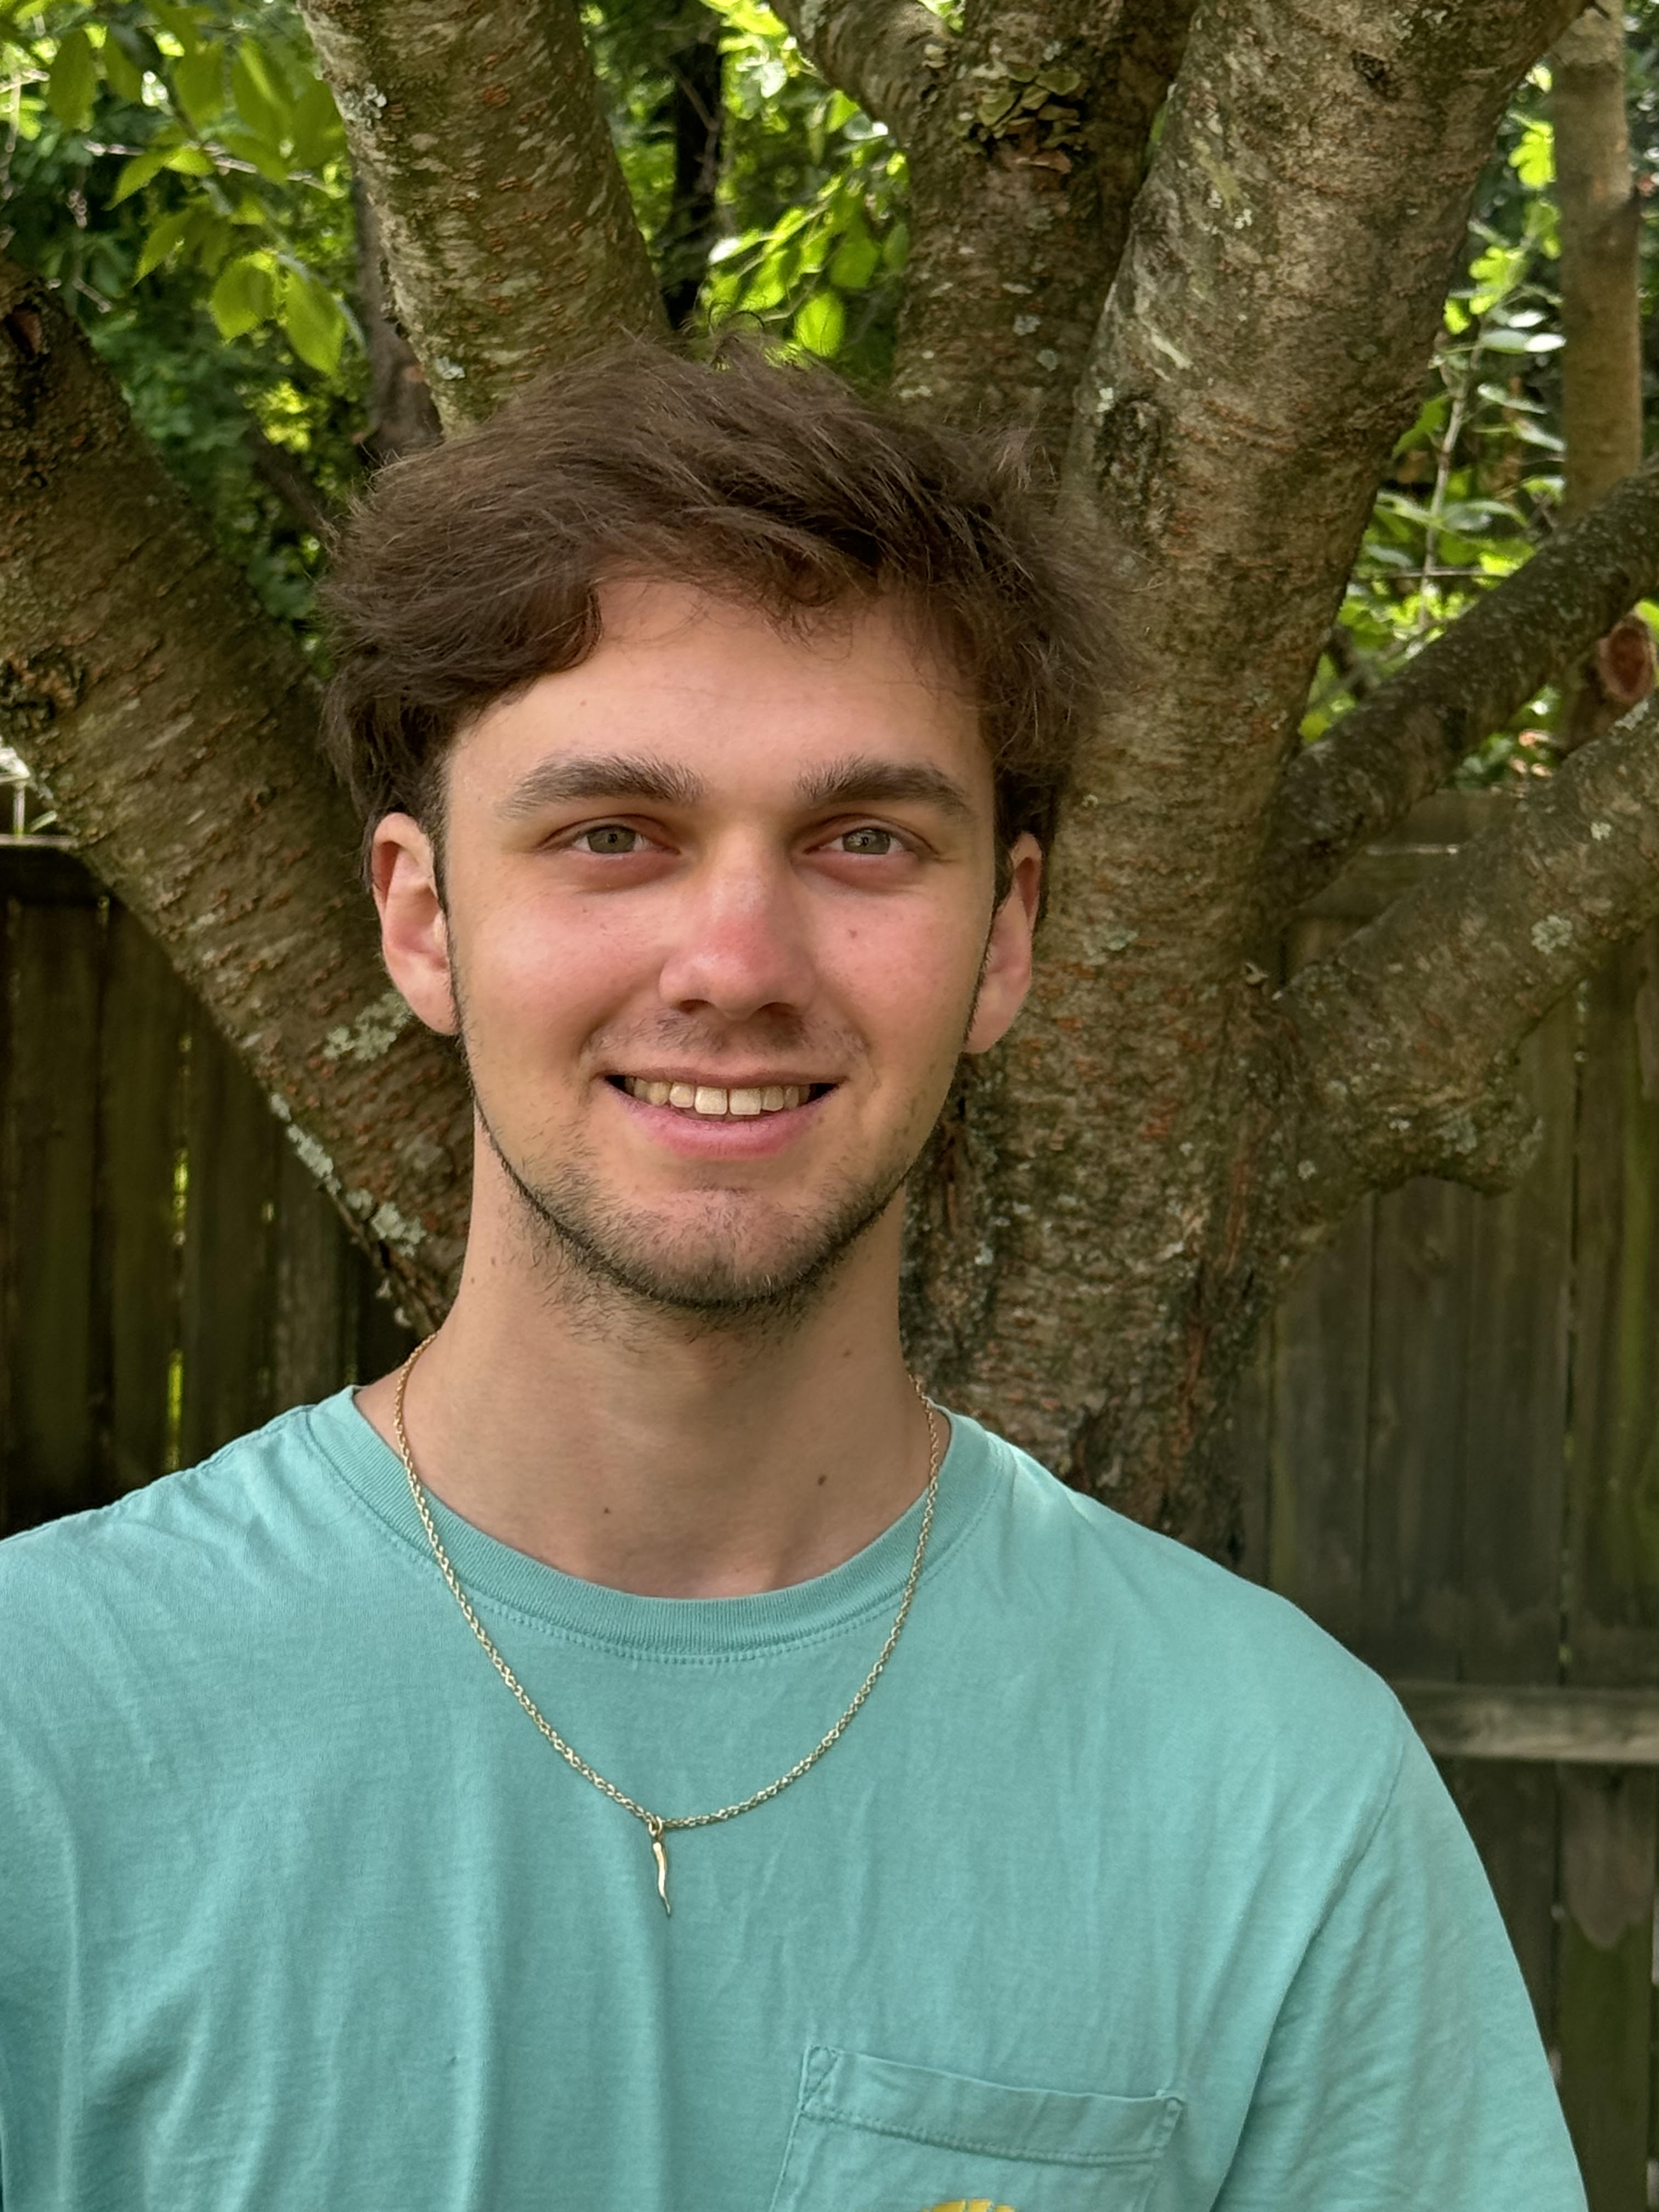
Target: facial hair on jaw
(607, 1260)
(587, 1252)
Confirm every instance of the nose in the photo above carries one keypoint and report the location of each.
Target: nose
(739, 941)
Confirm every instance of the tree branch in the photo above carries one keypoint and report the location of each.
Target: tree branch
(402, 418)
(1026, 153)
(1234, 421)
(1403, 741)
(874, 51)
(1404, 1033)
(174, 725)
(509, 238)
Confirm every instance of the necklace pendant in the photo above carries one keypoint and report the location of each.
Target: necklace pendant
(659, 1852)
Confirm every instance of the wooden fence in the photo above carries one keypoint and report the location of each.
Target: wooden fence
(170, 1274)
(1449, 1454)
(1449, 1444)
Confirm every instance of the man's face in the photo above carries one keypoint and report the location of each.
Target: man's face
(717, 923)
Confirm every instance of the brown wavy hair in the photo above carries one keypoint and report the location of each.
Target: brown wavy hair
(471, 569)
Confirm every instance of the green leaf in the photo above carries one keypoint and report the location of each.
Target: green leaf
(1534, 159)
(260, 101)
(243, 295)
(313, 320)
(190, 161)
(73, 80)
(179, 20)
(199, 82)
(159, 241)
(314, 132)
(895, 246)
(821, 325)
(258, 152)
(121, 66)
(766, 288)
(210, 238)
(137, 173)
(855, 261)
(1498, 338)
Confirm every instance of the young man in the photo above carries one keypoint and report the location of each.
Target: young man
(853, 1819)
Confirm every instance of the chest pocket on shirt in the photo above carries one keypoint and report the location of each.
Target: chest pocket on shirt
(872, 2136)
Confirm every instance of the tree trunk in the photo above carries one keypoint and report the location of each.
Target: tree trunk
(175, 726)
(1602, 321)
(1231, 329)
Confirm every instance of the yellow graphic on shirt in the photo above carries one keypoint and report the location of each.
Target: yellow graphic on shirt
(969, 2204)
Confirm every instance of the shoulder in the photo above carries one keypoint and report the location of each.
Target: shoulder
(151, 1563)
(1223, 1676)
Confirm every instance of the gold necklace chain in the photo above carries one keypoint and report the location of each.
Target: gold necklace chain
(658, 1824)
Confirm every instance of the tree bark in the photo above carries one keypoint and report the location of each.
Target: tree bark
(403, 418)
(876, 51)
(1600, 272)
(1404, 1034)
(1025, 164)
(1395, 747)
(1231, 428)
(1602, 321)
(174, 725)
(479, 135)
(1113, 1201)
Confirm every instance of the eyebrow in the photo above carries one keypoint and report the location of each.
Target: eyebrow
(864, 780)
(600, 776)
(855, 780)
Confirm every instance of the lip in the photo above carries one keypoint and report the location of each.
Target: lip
(711, 1137)
(719, 1079)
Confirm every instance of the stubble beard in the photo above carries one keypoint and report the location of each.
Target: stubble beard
(610, 1254)
(606, 1262)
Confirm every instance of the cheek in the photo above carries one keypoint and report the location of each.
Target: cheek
(913, 984)
(532, 975)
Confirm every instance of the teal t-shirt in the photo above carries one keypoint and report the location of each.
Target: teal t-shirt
(1128, 1891)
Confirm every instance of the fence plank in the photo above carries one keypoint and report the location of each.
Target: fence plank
(146, 1013)
(1321, 1385)
(56, 955)
(1519, 1297)
(1245, 1450)
(1614, 1523)
(1608, 1831)
(231, 1137)
(1606, 1976)
(1511, 1810)
(315, 1330)
(1414, 1425)
(384, 1338)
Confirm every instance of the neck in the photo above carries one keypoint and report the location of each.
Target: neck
(660, 1458)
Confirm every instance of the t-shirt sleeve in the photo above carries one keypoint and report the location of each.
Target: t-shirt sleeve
(1405, 2068)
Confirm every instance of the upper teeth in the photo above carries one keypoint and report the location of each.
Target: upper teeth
(710, 1098)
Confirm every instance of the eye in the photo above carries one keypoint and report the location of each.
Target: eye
(610, 840)
(873, 842)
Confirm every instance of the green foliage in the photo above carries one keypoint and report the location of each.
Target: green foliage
(812, 193)
(178, 171)
(1474, 485)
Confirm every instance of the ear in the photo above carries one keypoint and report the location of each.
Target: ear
(1006, 977)
(414, 931)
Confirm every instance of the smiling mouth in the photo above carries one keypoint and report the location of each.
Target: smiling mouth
(714, 1103)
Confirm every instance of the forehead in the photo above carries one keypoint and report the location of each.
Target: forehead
(738, 700)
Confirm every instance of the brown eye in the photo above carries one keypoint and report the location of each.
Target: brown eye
(610, 840)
